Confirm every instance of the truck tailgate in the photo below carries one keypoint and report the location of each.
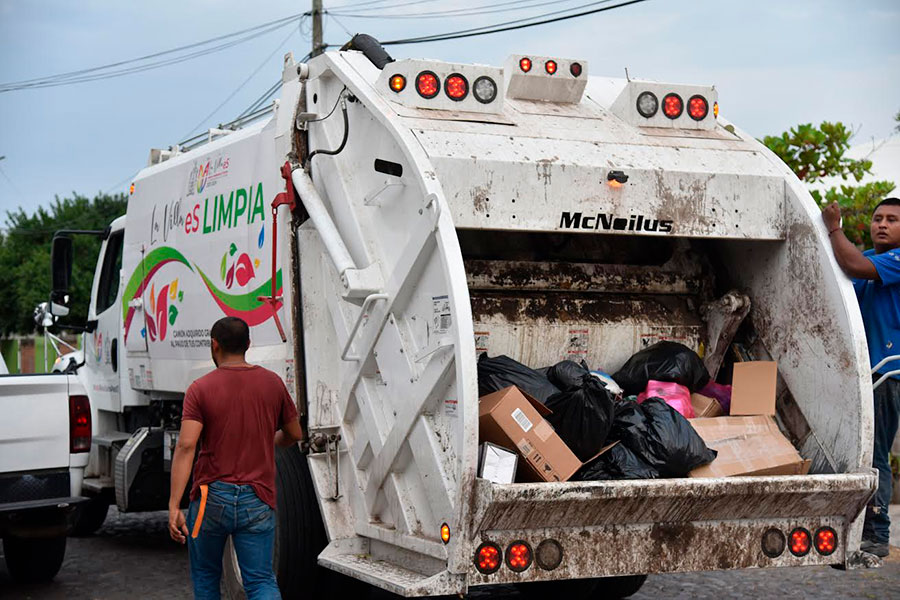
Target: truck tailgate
(34, 431)
(653, 526)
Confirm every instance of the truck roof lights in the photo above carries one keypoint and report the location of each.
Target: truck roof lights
(427, 84)
(575, 69)
(79, 424)
(550, 67)
(647, 104)
(456, 86)
(549, 555)
(698, 107)
(826, 541)
(484, 89)
(800, 542)
(525, 64)
(773, 543)
(488, 558)
(518, 556)
(397, 83)
(673, 105)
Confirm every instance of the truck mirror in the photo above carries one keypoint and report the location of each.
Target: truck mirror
(61, 269)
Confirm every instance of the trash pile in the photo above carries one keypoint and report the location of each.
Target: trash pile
(659, 416)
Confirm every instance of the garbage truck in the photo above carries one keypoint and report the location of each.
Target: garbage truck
(382, 224)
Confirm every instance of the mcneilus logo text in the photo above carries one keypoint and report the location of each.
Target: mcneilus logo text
(609, 222)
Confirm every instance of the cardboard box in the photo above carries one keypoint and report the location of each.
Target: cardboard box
(753, 388)
(496, 463)
(751, 445)
(513, 419)
(705, 407)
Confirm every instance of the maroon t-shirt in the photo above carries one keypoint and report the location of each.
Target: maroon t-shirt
(240, 408)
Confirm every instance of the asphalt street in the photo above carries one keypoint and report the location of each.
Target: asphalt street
(131, 556)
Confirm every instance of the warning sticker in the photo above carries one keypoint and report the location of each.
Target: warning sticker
(481, 341)
(441, 317)
(578, 342)
(522, 420)
(525, 448)
(451, 405)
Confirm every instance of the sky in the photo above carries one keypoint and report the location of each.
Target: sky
(775, 64)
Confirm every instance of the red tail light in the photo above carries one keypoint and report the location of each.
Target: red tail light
(698, 108)
(826, 541)
(575, 69)
(518, 556)
(673, 106)
(79, 424)
(550, 67)
(456, 87)
(427, 84)
(488, 558)
(800, 542)
(525, 64)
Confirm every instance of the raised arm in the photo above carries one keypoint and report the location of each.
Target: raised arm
(848, 256)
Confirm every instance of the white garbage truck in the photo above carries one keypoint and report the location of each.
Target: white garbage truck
(387, 221)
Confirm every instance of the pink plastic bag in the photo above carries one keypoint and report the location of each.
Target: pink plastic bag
(675, 395)
(720, 392)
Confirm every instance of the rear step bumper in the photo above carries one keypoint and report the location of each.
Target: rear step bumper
(656, 526)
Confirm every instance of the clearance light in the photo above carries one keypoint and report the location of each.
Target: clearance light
(826, 541)
(647, 104)
(673, 106)
(550, 67)
(525, 64)
(549, 555)
(773, 543)
(616, 178)
(698, 107)
(488, 558)
(397, 83)
(445, 533)
(575, 69)
(456, 86)
(716, 109)
(428, 85)
(518, 556)
(131, 189)
(800, 542)
(484, 89)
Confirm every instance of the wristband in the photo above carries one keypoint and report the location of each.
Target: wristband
(833, 230)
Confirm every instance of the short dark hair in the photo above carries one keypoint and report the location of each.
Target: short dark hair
(887, 202)
(232, 334)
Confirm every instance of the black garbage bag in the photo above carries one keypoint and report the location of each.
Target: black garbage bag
(616, 463)
(663, 361)
(583, 416)
(568, 374)
(501, 372)
(660, 436)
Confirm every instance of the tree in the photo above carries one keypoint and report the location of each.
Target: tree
(814, 153)
(25, 256)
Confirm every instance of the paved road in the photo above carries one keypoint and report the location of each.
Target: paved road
(132, 557)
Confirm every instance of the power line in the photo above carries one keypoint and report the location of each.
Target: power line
(109, 70)
(498, 27)
(357, 5)
(460, 12)
(11, 184)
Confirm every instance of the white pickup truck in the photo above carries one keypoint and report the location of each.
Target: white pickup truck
(45, 440)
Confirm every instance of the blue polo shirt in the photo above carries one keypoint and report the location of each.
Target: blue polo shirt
(879, 302)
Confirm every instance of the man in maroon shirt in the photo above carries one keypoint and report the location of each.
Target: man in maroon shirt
(237, 413)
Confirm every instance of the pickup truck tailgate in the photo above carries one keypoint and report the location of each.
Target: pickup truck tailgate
(654, 526)
(34, 430)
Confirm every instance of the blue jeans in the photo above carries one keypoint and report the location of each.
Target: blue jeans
(233, 510)
(877, 526)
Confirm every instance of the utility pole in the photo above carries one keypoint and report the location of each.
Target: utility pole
(317, 46)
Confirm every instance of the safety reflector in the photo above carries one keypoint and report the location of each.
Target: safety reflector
(427, 84)
(397, 83)
(488, 558)
(826, 541)
(518, 556)
(800, 542)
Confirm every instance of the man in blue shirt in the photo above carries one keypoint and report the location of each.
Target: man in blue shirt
(876, 279)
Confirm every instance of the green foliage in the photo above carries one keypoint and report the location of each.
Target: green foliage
(25, 256)
(814, 153)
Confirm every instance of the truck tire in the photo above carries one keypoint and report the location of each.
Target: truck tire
(34, 560)
(299, 538)
(92, 517)
(601, 588)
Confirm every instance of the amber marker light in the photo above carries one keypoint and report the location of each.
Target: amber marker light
(445, 533)
(131, 189)
(716, 109)
(398, 83)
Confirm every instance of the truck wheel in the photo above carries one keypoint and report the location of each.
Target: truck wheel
(299, 538)
(34, 560)
(92, 516)
(583, 589)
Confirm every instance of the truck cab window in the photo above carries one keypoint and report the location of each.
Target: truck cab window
(108, 286)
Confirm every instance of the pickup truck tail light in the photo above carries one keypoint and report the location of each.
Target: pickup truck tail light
(79, 424)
